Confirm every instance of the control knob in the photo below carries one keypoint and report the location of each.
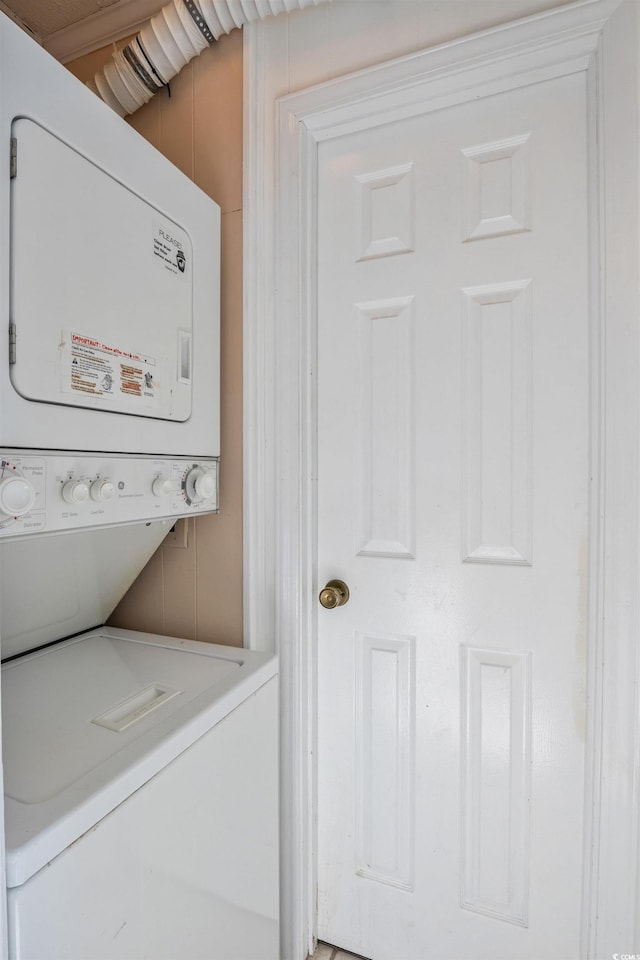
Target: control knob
(199, 484)
(17, 496)
(75, 491)
(102, 490)
(161, 486)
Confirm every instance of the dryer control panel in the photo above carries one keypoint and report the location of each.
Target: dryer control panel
(44, 492)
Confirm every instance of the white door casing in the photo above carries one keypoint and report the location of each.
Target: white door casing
(595, 38)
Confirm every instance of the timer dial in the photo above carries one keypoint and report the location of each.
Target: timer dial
(198, 484)
(205, 486)
(17, 496)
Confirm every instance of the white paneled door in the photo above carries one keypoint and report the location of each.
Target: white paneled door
(453, 499)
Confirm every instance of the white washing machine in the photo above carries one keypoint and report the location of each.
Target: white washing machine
(140, 772)
(141, 800)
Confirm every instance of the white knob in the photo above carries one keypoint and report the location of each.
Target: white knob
(199, 485)
(102, 490)
(205, 486)
(161, 487)
(17, 496)
(75, 491)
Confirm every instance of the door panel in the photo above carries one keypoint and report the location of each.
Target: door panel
(453, 499)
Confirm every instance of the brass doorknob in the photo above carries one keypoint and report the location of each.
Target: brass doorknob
(335, 594)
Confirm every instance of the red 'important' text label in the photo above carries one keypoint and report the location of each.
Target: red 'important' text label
(100, 369)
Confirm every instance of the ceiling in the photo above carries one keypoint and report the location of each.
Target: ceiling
(70, 28)
(44, 19)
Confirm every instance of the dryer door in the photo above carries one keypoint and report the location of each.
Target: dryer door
(101, 288)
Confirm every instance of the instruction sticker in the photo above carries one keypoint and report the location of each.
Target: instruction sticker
(171, 248)
(103, 370)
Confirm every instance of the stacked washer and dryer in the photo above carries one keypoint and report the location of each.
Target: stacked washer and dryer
(140, 772)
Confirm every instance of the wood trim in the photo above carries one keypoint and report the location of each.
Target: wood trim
(294, 566)
(267, 610)
(611, 913)
(504, 57)
(258, 356)
(578, 37)
(100, 29)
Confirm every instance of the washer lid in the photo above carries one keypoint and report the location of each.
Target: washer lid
(88, 721)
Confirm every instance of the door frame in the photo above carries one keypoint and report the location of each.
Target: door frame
(599, 37)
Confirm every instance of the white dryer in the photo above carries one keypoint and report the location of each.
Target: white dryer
(111, 259)
(109, 280)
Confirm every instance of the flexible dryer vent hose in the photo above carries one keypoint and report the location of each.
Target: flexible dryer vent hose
(179, 32)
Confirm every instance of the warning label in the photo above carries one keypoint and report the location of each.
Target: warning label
(103, 370)
(171, 248)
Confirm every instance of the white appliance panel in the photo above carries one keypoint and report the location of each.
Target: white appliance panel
(100, 287)
(97, 213)
(49, 493)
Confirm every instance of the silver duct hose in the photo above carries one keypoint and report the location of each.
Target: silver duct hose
(177, 34)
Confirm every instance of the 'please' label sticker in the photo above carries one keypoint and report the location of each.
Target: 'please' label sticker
(171, 248)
